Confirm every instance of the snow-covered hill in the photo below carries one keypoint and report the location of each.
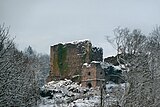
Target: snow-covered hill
(65, 93)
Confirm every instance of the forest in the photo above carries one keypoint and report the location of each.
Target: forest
(22, 73)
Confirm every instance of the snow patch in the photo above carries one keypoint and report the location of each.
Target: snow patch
(95, 62)
(87, 65)
(74, 42)
(66, 93)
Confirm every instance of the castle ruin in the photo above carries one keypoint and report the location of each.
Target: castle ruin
(81, 62)
(66, 60)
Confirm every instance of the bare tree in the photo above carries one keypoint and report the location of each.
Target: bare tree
(135, 54)
(17, 80)
(153, 47)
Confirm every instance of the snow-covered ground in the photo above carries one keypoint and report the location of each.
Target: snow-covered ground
(68, 94)
(65, 93)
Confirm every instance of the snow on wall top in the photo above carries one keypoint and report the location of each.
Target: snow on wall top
(106, 65)
(95, 62)
(87, 65)
(73, 42)
(103, 65)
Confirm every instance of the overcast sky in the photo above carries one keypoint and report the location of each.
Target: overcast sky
(41, 23)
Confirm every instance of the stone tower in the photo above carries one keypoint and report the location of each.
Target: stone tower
(92, 75)
(66, 60)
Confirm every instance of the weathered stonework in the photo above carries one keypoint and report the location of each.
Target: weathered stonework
(92, 75)
(66, 60)
(81, 62)
(97, 54)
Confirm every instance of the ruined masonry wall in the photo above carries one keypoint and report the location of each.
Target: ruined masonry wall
(66, 60)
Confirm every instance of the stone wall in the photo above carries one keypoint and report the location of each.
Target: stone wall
(66, 60)
(88, 75)
(100, 75)
(92, 75)
(97, 54)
